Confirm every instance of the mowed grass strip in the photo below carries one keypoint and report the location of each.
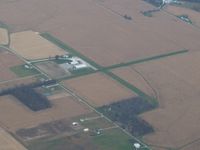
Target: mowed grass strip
(21, 71)
(146, 59)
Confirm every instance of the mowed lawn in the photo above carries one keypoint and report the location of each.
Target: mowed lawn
(113, 139)
(21, 71)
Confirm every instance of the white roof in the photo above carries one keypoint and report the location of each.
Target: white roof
(137, 145)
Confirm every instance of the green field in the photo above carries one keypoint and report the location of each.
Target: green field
(21, 71)
(147, 59)
(114, 139)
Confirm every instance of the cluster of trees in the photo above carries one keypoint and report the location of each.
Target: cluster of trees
(31, 98)
(27, 95)
(126, 114)
(156, 3)
(127, 17)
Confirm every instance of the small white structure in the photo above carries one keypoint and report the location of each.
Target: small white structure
(74, 123)
(77, 63)
(27, 66)
(86, 129)
(137, 145)
(80, 66)
(82, 120)
(167, 1)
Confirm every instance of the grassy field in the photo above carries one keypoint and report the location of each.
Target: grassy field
(147, 59)
(114, 139)
(21, 71)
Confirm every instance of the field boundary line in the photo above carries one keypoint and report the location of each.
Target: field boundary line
(146, 59)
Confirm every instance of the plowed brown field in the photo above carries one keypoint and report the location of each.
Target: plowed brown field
(176, 80)
(99, 89)
(7, 60)
(14, 115)
(193, 15)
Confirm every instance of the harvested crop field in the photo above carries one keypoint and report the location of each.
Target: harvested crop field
(20, 116)
(7, 142)
(194, 16)
(7, 60)
(98, 29)
(134, 77)
(98, 89)
(4, 36)
(175, 78)
(31, 45)
(53, 69)
(17, 82)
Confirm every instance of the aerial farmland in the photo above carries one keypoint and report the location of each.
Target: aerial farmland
(99, 74)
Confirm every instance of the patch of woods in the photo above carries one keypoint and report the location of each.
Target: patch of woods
(126, 112)
(27, 95)
(156, 3)
(149, 13)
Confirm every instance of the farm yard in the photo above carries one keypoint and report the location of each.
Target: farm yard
(98, 89)
(31, 45)
(53, 69)
(7, 142)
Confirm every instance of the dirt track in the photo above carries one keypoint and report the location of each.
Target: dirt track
(131, 75)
